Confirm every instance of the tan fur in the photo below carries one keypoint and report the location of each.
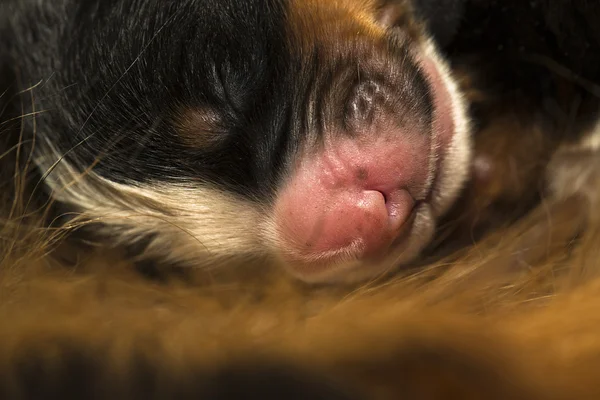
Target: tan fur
(199, 127)
(514, 317)
(519, 332)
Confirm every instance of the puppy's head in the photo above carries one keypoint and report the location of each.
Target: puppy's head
(328, 134)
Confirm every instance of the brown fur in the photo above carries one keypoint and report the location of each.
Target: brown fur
(528, 331)
(513, 316)
(199, 128)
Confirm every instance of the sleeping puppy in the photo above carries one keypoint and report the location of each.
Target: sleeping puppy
(329, 136)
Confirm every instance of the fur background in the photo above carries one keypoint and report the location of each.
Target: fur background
(513, 316)
(508, 308)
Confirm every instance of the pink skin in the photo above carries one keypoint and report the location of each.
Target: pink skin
(354, 197)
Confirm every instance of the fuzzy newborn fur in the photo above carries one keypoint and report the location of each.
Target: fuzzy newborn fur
(505, 308)
(514, 318)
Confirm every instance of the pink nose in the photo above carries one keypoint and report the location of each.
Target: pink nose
(350, 220)
(347, 202)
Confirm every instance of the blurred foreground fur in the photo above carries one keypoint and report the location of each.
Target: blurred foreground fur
(512, 317)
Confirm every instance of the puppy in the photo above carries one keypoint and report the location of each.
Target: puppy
(326, 136)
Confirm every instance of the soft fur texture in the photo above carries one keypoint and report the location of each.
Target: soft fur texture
(189, 131)
(513, 316)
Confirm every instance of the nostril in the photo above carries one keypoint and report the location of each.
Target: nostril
(399, 205)
(385, 197)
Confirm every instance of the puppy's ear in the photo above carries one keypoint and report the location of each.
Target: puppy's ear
(441, 18)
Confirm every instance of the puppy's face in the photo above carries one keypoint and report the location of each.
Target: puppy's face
(328, 134)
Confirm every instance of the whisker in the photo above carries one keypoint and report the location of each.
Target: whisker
(82, 141)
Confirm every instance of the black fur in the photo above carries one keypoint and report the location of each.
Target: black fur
(114, 73)
(443, 17)
(542, 56)
(113, 76)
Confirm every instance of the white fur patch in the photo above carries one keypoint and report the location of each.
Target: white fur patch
(455, 168)
(192, 224)
(575, 169)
